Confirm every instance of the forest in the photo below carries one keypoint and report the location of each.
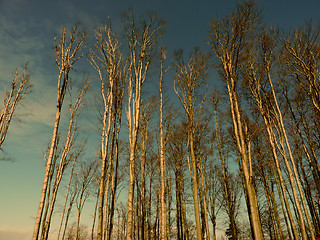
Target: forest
(232, 153)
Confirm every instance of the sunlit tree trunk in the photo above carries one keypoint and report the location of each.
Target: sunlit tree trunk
(69, 143)
(162, 156)
(86, 176)
(272, 141)
(141, 40)
(108, 62)
(230, 41)
(68, 51)
(66, 198)
(188, 81)
(274, 121)
(20, 86)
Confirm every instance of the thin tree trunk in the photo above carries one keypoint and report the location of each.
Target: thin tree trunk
(66, 199)
(204, 200)
(67, 55)
(295, 174)
(95, 214)
(245, 162)
(162, 158)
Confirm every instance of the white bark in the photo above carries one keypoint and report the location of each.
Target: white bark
(20, 86)
(67, 54)
(162, 157)
(141, 43)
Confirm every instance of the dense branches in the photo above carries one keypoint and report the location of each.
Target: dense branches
(265, 118)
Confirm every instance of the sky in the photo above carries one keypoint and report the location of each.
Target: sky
(27, 30)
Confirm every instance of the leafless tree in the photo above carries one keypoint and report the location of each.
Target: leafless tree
(68, 51)
(20, 86)
(231, 41)
(189, 78)
(141, 40)
(86, 176)
(108, 62)
(68, 152)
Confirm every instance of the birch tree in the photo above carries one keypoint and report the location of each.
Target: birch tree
(141, 39)
(68, 49)
(263, 89)
(20, 86)
(162, 153)
(108, 62)
(68, 152)
(189, 78)
(231, 40)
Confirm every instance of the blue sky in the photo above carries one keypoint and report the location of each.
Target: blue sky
(27, 29)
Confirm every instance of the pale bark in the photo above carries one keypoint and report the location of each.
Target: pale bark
(162, 156)
(294, 174)
(20, 86)
(255, 90)
(108, 63)
(86, 176)
(141, 44)
(230, 40)
(66, 199)
(189, 78)
(273, 115)
(65, 157)
(68, 51)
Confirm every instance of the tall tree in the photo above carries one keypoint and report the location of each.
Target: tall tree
(162, 153)
(264, 91)
(68, 49)
(230, 195)
(108, 61)
(189, 79)
(67, 153)
(231, 41)
(141, 40)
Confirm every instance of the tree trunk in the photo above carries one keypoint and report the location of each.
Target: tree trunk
(245, 162)
(67, 55)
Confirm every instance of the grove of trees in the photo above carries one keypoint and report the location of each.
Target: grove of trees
(197, 157)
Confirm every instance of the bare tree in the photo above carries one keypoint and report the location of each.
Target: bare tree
(230, 195)
(177, 149)
(231, 40)
(263, 89)
(20, 86)
(108, 62)
(189, 78)
(145, 138)
(68, 52)
(141, 40)
(86, 177)
(69, 152)
(162, 154)
(66, 197)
